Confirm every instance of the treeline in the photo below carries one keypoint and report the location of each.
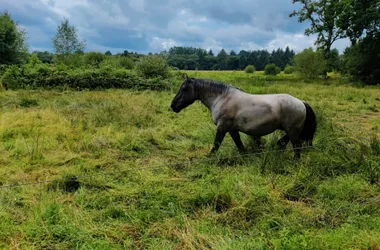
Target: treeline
(49, 58)
(191, 58)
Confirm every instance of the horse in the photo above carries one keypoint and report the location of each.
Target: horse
(234, 110)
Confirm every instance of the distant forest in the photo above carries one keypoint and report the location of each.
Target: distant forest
(191, 58)
(195, 58)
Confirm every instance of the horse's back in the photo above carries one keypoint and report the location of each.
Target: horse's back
(267, 112)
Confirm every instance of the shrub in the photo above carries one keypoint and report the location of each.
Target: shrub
(125, 62)
(117, 62)
(289, 69)
(73, 61)
(278, 70)
(250, 69)
(12, 78)
(271, 69)
(47, 77)
(152, 66)
(94, 58)
(310, 64)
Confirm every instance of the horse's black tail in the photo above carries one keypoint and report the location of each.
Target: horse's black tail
(309, 127)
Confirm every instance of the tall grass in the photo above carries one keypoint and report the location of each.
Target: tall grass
(327, 200)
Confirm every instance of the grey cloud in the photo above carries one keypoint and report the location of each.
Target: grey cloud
(137, 24)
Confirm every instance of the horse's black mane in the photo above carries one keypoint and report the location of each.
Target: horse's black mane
(213, 86)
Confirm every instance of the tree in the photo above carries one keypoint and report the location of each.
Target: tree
(232, 53)
(362, 60)
(13, 40)
(45, 57)
(360, 21)
(210, 53)
(126, 53)
(108, 53)
(324, 16)
(310, 64)
(66, 40)
(222, 59)
(359, 16)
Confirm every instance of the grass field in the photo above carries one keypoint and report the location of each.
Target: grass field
(162, 193)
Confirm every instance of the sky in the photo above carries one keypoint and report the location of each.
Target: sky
(155, 25)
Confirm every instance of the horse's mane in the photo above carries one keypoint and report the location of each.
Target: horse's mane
(213, 86)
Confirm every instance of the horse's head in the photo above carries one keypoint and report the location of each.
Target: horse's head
(186, 95)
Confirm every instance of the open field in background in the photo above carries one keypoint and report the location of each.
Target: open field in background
(328, 200)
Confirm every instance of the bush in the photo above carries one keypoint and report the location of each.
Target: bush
(271, 69)
(310, 64)
(250, 69)
(278, 70)
(289, 69)
(152, 66)
(125, 62)
(94, 58)
(73, 61)
(43, 76)
(117, 62)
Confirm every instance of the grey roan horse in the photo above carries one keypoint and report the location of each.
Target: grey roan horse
(234, 111)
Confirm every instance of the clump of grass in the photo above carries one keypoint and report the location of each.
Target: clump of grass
(68, 183)
(26, 103)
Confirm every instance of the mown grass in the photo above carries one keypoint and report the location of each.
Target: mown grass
(328, 200)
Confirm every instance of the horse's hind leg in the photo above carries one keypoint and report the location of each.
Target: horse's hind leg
(236, 137)
(296, 142)
(297, 148)
(283, 142)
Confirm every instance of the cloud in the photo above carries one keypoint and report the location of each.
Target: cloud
(155, 25)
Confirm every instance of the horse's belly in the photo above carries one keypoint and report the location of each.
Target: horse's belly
(259, 127)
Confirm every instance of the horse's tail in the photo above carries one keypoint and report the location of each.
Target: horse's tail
(310, 126)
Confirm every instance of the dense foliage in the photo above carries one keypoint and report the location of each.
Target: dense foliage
(152, 66)
(35, 74)
(362, 60)
(357, 20)
(310, 64)
(13, 40)
(195, 58)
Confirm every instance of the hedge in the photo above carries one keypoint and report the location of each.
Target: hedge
(44, 76)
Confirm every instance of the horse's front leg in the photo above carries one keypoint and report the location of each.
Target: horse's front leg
(220, 134)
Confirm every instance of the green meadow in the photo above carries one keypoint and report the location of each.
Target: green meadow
(144, 181)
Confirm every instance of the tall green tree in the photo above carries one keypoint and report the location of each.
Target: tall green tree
(13, 40)
(358, 17)
(324, 17)
(66, 41)
(222, 59)
(360, 21)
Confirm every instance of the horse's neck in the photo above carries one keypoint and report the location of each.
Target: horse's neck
(210, 99)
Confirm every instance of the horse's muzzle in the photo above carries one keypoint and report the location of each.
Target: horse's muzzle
(175, 109)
